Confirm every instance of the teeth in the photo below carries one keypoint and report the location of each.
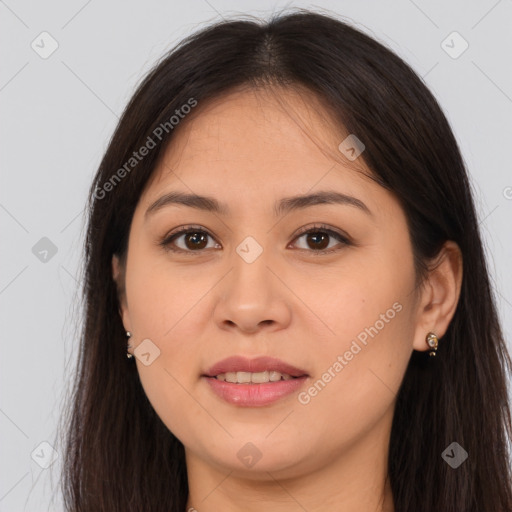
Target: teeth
(256, 378)
(274, 376)
(243, 377)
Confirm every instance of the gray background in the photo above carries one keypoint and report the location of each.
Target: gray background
(58, 114)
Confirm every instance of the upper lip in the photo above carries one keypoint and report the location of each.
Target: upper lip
(258, 364)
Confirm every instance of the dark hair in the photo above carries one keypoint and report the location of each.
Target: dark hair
(119, 456)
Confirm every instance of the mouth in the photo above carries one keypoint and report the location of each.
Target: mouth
(239, 369)
(254, 382)
(253, 378)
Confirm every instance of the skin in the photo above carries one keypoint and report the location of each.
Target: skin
(247, 151)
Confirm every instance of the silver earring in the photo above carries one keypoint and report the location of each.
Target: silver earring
(128, 355)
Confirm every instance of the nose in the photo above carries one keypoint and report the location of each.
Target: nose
(252, 298)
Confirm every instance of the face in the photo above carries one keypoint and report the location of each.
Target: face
(327, 287)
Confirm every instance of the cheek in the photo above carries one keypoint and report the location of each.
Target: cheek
(357, 382)
(163, 308)
(361, 362)
(162, 297)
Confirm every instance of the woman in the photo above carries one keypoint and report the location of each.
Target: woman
(283, 234)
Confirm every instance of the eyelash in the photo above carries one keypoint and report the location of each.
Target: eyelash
(321, 228)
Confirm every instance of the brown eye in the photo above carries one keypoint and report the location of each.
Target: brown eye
(195, 240)
(187, 240)
(318, 240)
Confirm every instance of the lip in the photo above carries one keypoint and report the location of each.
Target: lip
(258, 364)
(254, 395)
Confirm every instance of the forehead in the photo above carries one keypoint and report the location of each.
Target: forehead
(258, 139)
(251, 148)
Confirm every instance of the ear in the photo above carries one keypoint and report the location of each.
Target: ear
(118, 274)
(440, 295)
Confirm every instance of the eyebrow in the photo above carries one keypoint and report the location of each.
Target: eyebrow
(281, 207)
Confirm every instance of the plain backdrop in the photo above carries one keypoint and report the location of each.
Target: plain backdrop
(60, 109)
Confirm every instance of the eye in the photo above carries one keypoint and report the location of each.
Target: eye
(194, 239)
(190, 239)
(317, 238)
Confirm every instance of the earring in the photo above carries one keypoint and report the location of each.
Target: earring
(128, 355)
(433, 342)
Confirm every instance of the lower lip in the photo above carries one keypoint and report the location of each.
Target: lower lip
(254, 395)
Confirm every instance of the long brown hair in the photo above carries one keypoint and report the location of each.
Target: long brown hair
(119, 456)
